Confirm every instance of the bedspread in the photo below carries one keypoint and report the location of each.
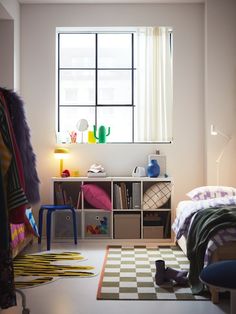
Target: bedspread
(189, 208)
(186, 212)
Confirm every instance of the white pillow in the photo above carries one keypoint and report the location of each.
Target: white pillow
(208, 192)
(157, 195)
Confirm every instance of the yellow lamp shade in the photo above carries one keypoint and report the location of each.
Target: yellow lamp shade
(61, 151)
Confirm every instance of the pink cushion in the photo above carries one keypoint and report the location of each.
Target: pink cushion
(96, 196)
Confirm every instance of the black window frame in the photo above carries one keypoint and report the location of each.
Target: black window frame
(96, 68)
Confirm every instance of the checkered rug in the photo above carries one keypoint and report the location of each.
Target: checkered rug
(129, 274)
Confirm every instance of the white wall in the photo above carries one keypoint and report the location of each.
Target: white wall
(12, 8)
(220, 87)
(185, 156)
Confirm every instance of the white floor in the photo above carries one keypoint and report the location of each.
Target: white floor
(78, 296)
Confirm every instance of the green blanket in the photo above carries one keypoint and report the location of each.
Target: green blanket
(205, 225)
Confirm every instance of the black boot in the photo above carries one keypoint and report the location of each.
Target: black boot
(180, 276)
(160, 272)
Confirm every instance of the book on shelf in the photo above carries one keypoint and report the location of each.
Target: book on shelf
(136, 195)
(117, 197)
(59, 197)
(65, 197)
(124, 203)
(62, 197)
(125, 197)
(78, 200)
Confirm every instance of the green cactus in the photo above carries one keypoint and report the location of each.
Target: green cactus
(101, 133)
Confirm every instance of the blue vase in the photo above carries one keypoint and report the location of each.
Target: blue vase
(153, 169)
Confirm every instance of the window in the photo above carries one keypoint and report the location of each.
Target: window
(121, 79)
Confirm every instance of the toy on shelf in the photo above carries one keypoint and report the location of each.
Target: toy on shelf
(73, 136)
(65, 173)
(101, 133)
(100, 228)
(96, 171)
(82, 126)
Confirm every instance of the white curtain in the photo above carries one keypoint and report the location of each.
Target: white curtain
(154, 94)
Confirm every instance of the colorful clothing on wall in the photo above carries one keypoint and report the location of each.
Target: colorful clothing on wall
(21, 131)
(13, 198)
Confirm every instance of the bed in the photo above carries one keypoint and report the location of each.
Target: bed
(204, 203)
(23, 234)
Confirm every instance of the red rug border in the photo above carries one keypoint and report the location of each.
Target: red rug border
(102, 273)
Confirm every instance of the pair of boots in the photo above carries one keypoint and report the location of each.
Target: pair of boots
(164, 274)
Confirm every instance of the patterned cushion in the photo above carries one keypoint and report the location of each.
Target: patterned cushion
(208, 192)
(157, 195)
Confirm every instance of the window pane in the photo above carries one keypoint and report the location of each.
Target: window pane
(77, 50)
(114, 87)
(119, 119)
(114, 50)
(70, 116)
(77, 87)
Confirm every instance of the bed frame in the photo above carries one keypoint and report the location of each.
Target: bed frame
(224, 252)
(22, 245)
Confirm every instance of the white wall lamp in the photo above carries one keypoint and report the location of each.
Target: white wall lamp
(215, 131)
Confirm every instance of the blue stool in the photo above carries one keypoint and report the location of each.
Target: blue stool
(222, 275)
(50, 209)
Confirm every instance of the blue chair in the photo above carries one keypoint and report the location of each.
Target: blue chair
(50, 209)
(222, 275)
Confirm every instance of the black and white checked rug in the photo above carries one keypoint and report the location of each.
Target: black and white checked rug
(129, 274)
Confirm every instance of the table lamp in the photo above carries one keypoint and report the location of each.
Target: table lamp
(61, 153)
(215, 131)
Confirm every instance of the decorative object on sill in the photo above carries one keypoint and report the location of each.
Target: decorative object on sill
(91, 138)
(96, 171)
(65, 173)
(73, 136)
(215, 131)
(82, 126)
(153, 169)
(139, 172)
(75, 173)
(32, 270)
(161, 160)
(61, 153)
(101, 133)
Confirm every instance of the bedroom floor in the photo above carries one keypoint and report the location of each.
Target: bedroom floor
(78, 296)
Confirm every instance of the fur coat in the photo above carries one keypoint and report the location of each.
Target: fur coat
(22, 134)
